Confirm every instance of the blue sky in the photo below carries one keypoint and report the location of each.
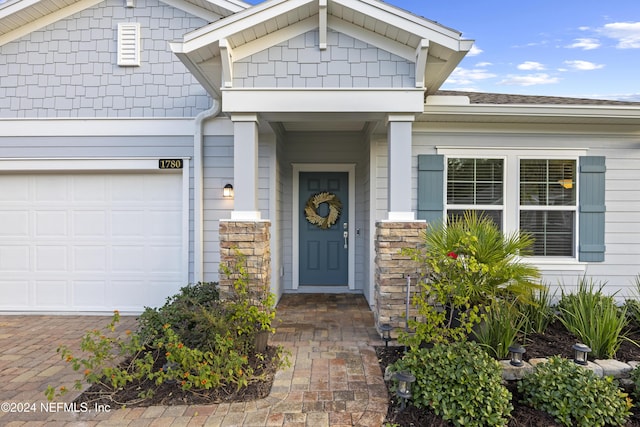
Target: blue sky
(581, 48)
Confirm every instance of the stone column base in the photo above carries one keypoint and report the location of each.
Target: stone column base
(252, 240)
(392, 268)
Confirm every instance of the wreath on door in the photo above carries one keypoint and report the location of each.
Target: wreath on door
(311, 209)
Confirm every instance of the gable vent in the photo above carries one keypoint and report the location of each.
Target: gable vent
(129, 44)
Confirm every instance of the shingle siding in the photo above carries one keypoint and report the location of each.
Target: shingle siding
(42, 73)
(346, 62)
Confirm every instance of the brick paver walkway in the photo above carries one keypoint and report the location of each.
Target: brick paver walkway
(334, 378)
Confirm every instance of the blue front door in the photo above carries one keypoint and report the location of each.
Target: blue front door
(323, 226)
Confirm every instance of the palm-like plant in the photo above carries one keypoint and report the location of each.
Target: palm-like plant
(480, 262)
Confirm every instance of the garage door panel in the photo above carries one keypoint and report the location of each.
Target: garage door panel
(164, 259)
(88, 294)
(127, 223)
(90, 241)
(51, 293)
(51, 223)
(89, 224)
(89, 188)
(15, 189)
(51, 259)
(90, 259)
(14, 223)
(14, 258)
(14, 292)
(51, 188)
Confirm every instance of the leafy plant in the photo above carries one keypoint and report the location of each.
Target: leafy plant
(469, 264)
(500, 328)
(460, 382)
(209, 345)
(574, 396)
(633, 304)
(594, 318)
(635, 377)
(538, 309)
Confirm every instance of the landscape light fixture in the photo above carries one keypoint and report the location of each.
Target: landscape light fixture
(581, 352)
(386, 328)
(515, 353)
(405, 379)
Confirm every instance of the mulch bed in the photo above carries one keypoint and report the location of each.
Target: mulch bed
(171, 394)
(555, 341)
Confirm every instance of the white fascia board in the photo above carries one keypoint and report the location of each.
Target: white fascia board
(406, 21)
(542, 110)
(195, 70)
(194, 10)
(275, 38)
(239, 22)
(233, 6)
(45, 20)
(278, 100)
(375, 39)
(96, 127)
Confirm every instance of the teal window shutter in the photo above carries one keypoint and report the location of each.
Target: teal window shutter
(430, 187)
(592, 208)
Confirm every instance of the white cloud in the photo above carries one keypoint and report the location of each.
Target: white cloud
(464, 76)
(484, 64)
(626, 33)
(585, 44)
(531, 66)
(529, 80)
(583, 65)
(475, 51)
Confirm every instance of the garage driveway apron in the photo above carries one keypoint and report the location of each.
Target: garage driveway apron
(334, 378)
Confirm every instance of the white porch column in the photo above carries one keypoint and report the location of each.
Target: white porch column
(399, 167)
(245, 167)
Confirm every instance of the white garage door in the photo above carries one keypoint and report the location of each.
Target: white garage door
(90, 242)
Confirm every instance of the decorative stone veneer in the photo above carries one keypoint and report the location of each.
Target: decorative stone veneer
(251, 239)
(392, 268)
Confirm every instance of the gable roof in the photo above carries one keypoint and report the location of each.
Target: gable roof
(20, 17)
(435, 49)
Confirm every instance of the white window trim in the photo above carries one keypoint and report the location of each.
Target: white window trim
(511, 204)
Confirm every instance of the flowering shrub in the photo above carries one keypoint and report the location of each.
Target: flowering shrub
(210, 346)
(469, 264)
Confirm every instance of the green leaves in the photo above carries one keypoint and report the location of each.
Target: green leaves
(460, 382)
(595, 318)
(574, 395)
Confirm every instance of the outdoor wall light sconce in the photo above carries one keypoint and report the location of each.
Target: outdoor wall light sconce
(515, 353)
(405, 379)
(227, 191)
(386, 329)
(581, 352)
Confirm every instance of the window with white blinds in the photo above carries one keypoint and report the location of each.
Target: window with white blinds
(518, 192)
(548, 205)
(475, 184)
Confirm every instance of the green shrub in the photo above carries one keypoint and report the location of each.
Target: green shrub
(633, 304)
(574, 396)
(460, 382)
(469, 264)
(502, 324)
(594, 318)
(184, 312)
(538, 310)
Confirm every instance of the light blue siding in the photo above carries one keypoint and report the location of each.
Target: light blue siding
(346, 62)
(69, 69)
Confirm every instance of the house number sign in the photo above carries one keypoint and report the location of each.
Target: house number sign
(170, 163)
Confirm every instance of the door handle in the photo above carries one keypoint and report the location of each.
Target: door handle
(346, 239)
